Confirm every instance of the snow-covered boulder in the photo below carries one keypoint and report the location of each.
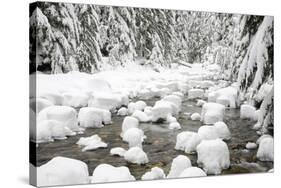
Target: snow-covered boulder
(174, 126)
(171, 119)
(192, 172)
(141, 116)
(139, 105)
(208, 132)
(251, 145)
(66, 115)
(213, 156)
(154, 174)
(200, 103)
(148, 111)
(212, 113)
(93, 117)
(118, 151)
(62, 171)
(195, 117)
(108, 173)
(129, 122)
(248, 112)
(222, 130)
(187, 141)
(134, 136)
(136, 155)
(54, 97)
(75, 99)
(179, 164)
(89, 117)
(122, 112)
(106, 101)
(179, 94)
(38, 104)
(91, 143)
(195, 93)
(226, 96)
(161, 110)
(266, 149)
(176, 100)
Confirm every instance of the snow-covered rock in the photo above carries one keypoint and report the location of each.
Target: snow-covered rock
(75, 99)
(212, 113)
(200, 103)
(134, 136)
(148, 111)
(122, 112)
(38, 104)
(222, 130)
(226, 96)
(136, 155)
(176, 100)
(248, 112)
(187, 141)
(195, 117)
(62, 171)
(266, 149)
(66, 115)
(154, 174)
(93, 117)
(195, 93)
(129, 122)
(174, 126)
(54, 97)
(192, 172)
(141, 116)
(179, 164)
(108, 173)
(171, 119)
(179, 94)
(91, 143)
(139, 105)
(213, 156)
(251, 145)
(118, 151)
(208, 132)
(161, 110)
(106, 101)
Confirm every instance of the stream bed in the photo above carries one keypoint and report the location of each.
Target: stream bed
(159, 145)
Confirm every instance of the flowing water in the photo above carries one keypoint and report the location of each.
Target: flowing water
(159, 145)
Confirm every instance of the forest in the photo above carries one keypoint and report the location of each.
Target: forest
(143, 54)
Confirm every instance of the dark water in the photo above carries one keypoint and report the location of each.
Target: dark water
(159, 145)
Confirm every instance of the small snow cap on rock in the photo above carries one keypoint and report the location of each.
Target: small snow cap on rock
(134, 136)
(122, 111)
(174, 126)
(154, 174)
(118, 151)
(195, 117)
(187, 141)
(136, 155)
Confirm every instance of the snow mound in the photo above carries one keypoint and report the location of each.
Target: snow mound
(174, 126)
(66, 115)
(148, 111)
(176, 100)
(226, 96)
(171, 119)
(141, 116)
(208, 132)
(54, 97)
(161, 110)
(134, 136)
(213, 156)
(179, 164)
(139, 105)
(117, 151)
(123, 111)
(195, 93)
(93, 117)
(195, 117)
(62, 171)
(266, 149)
(38, 104)
(187, 141)
(154, 174)
(75, 99)
(128, 123)
(136, 155)
(248, 112)
(222, 130)
(106, 101)
(212, 113)
(179, 94)
(108, 173)
(91, 143)
(99, 85)
(251, 145)
(200, 103)
(192, 172)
